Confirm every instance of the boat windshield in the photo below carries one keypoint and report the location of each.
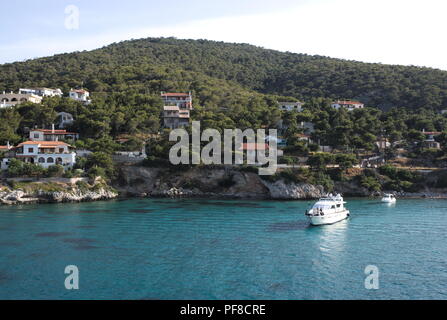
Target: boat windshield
(323, 206)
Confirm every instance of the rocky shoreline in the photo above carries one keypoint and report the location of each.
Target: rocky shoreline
(38, 192)
(222, 183)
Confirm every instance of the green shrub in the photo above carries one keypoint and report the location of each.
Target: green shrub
(55, 171)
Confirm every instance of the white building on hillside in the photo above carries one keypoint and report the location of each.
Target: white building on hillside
(291, 106)
(80, 95)
(46, 153)
(347, 104)
(11, 99)
(42, 92)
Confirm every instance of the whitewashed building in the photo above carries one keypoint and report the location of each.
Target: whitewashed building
(80, 95)
(347, 104)
(46, 153)
(42, 92)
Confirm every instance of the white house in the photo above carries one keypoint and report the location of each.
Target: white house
(347, 104)
(46, 153)
(80, 95)
(291, 106)
(42, 92)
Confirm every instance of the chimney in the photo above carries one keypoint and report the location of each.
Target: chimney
(52, 128)
(8, 146)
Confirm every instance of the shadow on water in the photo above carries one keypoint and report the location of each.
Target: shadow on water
(288, 226)
(51, 234)
(140, 210)
(85, 247)
(79, 241)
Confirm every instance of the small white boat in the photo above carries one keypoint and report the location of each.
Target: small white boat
(328, 210)
(389, 198)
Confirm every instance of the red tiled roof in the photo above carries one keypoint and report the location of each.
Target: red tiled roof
(347, 102)
(45, 144)
(4, 148)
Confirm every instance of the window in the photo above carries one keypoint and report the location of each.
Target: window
(30, 150)
(50, 160)
(41, 160)
(36, 136)
(61, 150)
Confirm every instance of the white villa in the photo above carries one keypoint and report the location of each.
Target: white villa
(11, 99)
(46, 153)
(42, 92)
(347, 104)
(80, 95)
(291, 106)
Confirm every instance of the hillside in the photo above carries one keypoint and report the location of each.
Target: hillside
(155, 64)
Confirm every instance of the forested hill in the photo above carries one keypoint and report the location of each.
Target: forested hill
(161, 64)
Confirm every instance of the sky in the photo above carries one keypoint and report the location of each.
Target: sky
(406, 32)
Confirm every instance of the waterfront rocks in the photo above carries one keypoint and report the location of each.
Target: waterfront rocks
(227, 182)
(37, 193)
(282, 190)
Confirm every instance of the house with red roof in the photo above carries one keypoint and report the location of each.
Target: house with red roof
(80, 95)
(46, 153)
(181, 100)
(347, 104)
(52, 135)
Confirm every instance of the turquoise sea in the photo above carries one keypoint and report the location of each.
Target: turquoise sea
(216, 249)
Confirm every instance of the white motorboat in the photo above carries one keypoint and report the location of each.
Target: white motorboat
(389, 198)
(328, 210)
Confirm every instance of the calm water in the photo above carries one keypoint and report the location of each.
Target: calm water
(212, 249)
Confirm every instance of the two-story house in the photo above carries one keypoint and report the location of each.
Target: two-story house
(46, 153)
(52, 135)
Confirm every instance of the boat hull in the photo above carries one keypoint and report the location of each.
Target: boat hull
(329, 218)
(388, 200)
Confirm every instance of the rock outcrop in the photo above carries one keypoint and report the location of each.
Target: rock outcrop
(32, 193)
(209, 182)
